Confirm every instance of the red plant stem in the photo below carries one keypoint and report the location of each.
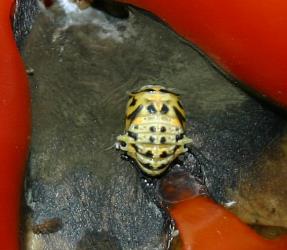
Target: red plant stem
(246, 38)
(205, 225)
(14, 130)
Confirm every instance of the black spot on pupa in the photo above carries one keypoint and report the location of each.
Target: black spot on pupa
(152, 129)
(133, 135)
(151, 109)
(163, 154)
(133, 103)
(179, 104)
(136, 127)
(149, 154)
(168, 91)
(148, 166)
(151, 139)
(163, 129)
(176, 148)
(135, 147)
(123, 144)
(179, 115)
(162, 140)
(164, 109)
(178, 137)
(134, 114)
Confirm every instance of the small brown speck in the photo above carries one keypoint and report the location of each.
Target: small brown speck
(48, 226)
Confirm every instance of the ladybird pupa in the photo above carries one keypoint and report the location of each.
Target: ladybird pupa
(154, 129)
